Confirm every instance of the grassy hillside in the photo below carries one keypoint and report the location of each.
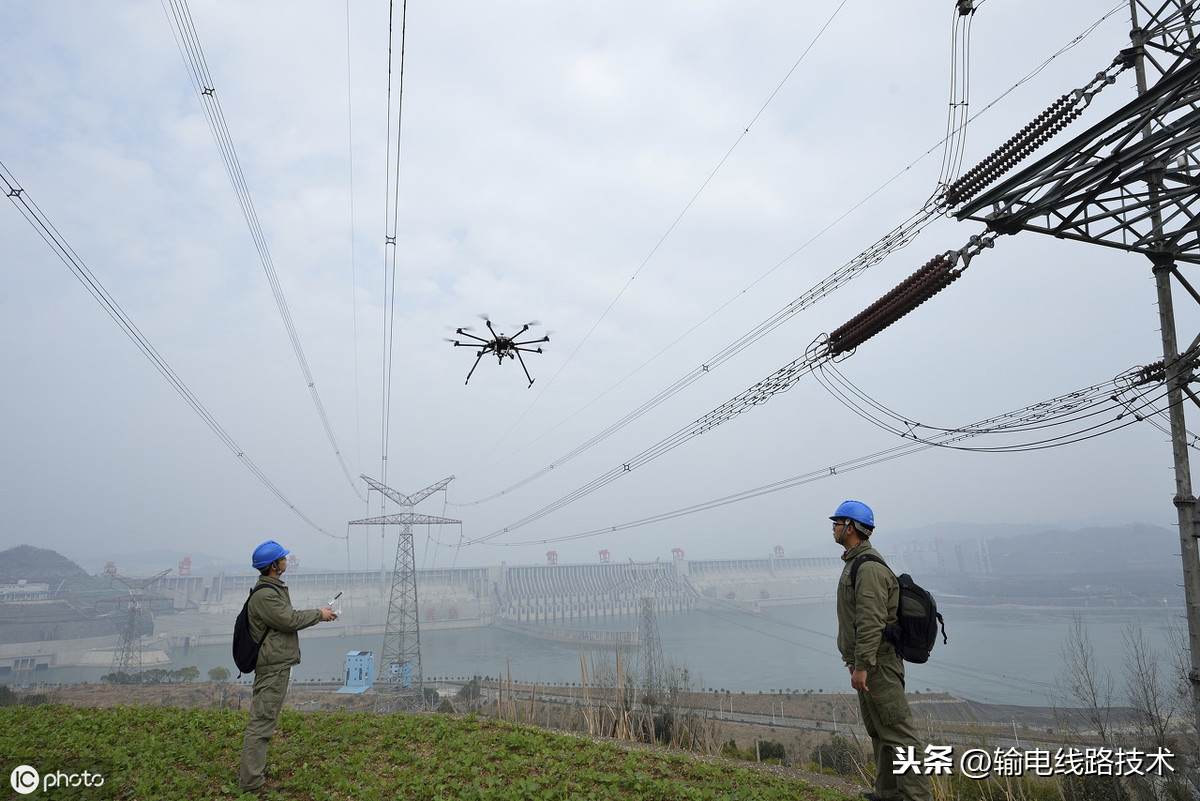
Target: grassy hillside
(171, 753)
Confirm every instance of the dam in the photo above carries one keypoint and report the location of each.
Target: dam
(547, 593)
(574, 602)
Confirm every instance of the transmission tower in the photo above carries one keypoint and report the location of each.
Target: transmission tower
(400, 684)
(127, 658)
(1130, 182)
(651, 671)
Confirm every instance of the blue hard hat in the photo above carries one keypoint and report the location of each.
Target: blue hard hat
(856, 511)
(267, 553)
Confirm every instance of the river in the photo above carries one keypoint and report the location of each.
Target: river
(1005, 656)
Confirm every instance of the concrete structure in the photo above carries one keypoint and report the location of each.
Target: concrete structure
(24, 591)
(555, 594)
(560, 601)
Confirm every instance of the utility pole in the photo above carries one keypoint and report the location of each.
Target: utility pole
(400, 684)
(1129, 182)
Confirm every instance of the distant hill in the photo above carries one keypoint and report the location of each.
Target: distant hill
(1135, 564)
(1120, 549)
(37, 566)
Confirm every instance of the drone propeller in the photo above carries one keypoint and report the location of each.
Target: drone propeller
(466, 332)
(530, 341)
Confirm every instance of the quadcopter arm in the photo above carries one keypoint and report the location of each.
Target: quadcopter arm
(465, 333)
(531, 342)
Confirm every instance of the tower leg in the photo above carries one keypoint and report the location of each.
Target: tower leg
(1185, 502)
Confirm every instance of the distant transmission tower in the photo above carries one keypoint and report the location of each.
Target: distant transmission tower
(400, 684)
(651, 671)
(127, 658)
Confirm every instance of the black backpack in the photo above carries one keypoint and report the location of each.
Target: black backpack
(916, 628)
(245, 649)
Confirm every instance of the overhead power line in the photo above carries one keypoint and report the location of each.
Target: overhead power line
(745, 131)
(91, 283)
(353, 227)
(391, 225)
(908, 295)
(1131, 397)
(1064, 110)
(193, 57)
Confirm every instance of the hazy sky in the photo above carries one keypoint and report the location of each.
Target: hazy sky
(551, 154)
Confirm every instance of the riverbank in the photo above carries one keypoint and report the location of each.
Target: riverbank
(765, 711)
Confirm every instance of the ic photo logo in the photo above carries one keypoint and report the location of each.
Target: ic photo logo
(25, 779)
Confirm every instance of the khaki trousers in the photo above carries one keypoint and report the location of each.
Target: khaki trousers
(889, 723)
(266, 702)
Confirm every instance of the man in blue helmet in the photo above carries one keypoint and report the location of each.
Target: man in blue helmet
(864, 608)
(271, 615)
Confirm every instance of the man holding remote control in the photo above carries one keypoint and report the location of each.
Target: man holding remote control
(271, 615)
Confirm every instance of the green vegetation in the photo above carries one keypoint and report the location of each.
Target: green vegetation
(767, 751)
(10, 698)
(840, 756)
(167, 752)
(157, 676)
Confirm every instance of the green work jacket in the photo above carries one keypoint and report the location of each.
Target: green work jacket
(273, 610)
(863, 611)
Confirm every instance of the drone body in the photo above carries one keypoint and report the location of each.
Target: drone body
(500, 345)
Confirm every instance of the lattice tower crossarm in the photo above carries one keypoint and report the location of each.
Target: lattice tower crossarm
(1100, 187)
(400, 684)
(127, 658)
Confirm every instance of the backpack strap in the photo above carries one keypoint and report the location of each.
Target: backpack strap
(866, 557)
(255, 589)
(891, 633)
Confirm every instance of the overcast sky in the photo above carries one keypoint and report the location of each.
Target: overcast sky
(548, 150)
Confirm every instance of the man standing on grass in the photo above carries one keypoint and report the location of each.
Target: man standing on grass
(270, 613)
(865, 606)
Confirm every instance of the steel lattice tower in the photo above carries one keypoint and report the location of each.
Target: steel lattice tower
(400, 684)
(1130, 182)
(127, 658)
(651, 670)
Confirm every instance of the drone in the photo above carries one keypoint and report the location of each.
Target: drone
(501, 345)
